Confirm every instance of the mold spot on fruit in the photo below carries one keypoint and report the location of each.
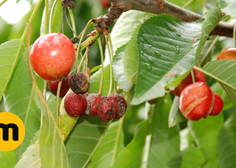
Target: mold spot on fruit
(79, 83)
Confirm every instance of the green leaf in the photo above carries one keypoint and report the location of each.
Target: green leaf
(10, 53)
(110, 146)
(228, 7)
(131, 57)
(55, 20)
(166, 50)
(31, 157)
(227, 144)
(89, 130)
(164, 141)
(191, 157)
(223, 71)
(19, 100)
(175, 115)
(54, 17)
(118, 69)
(51, 145)
(206, 133)
(125, 24)
(131, 156)
(66, 122)
(7, 159)
(206, 54)
(210, 22)
(84, 139)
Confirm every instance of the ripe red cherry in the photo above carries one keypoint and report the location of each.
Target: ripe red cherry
(218, 105)
(196, 101)
(199, 77)
(52, 56)
(75, 104)
(227, 54)
(105, 3)
(53, 85)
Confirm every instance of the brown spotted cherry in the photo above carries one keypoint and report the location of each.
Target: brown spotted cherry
(107, 108)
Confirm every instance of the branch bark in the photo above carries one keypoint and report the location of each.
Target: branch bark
(161, 6)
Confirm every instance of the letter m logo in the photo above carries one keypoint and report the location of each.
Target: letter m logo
(5, 131)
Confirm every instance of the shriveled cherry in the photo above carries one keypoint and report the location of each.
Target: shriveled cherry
(196, 101)
(107, 108)
(227, 54)
(52, 56)
(79, 83)
(75, 104)
(122, 105)
(218, 105)
(53, 85)
(93, 100)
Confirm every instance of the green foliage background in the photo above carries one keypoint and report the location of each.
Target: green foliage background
(148, 50)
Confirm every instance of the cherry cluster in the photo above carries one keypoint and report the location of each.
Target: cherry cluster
(52, 57)
(197, 99)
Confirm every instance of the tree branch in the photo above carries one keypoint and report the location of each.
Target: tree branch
(159, 7)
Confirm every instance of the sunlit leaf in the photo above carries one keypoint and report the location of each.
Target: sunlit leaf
(10, 53)
(227, 144)
(31, 157)
(19, 100)
(118, 69)
(55, 19)
(228, 7)
(206, 133)
(131, 57)
(50, 142)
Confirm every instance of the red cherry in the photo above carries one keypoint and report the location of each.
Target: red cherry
(218, 105)
(52, 56)
(122, 105)
(93, 100)
(227, 54)
(196, 101)
(107, 108)
(75, 104)
(105, 3)
(199, 77)
(64, 86)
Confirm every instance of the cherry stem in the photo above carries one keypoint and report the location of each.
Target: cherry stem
(57, 100)
(86, 56)
(63, 20)
(39, 93)
(72, 21)
(193, 77)
(81, 61)
(69, 22)
(46, 17)
(115, 86)
(214, 77)
(80, 41)
(44, 95)
(101, 53)
(110, 58)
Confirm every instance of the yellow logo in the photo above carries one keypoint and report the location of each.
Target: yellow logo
(12, 131)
